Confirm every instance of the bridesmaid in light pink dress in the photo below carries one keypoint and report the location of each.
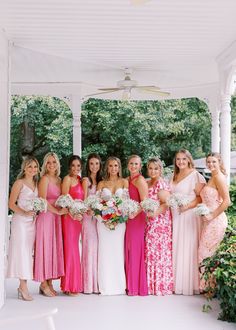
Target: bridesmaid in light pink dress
(21, 245)
(136, 276)
(216, 197)
(186, 225)
(71, 283)
(89, 229)
(49, 259)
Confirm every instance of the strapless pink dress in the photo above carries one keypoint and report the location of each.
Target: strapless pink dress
(213, 231)
(49, 259)
(71, 281)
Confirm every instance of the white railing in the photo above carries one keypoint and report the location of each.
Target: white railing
(47, 317)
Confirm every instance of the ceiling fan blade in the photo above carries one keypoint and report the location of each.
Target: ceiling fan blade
(155, 92)
(94, 94)
(109, 89)
(154, 88)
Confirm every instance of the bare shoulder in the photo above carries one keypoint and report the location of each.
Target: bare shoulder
(18, 184)
(219, 179)
(44, 180)
(141, 180)
(67, 179)
(125, 183)
(100, 185)
(85, 181)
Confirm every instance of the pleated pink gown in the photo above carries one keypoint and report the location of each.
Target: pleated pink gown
(90, 251)
(49, 260)
(71, 281)
(136, 277)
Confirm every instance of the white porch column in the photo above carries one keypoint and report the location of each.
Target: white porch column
(4, 159)
(215, 131)
(77, 134)
(225, 131)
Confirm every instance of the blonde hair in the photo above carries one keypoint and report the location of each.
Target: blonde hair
(134, 156)
(190, 161)
(26, 162)
(157, 161)
(217, 155)
(45, 160)
(106, 173)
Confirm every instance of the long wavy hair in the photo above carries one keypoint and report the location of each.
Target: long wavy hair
(99, 172)
(217, 155)
(190, 161)
(26, 162)
(71, 159)
(45, 160)
(156, 161)
(106, 173)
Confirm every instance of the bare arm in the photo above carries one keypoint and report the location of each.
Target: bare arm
(85, 185)
(223, 190)
(15, 191)
(142, 187)
(65, 187)
(100, 185)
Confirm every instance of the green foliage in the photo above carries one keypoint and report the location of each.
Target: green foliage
(145, 128)
(220, 273)
(50, 122)
(232, 208)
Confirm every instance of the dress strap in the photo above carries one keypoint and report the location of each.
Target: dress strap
(134, 177)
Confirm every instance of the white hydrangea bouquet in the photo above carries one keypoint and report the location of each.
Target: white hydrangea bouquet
(78, 207)
(202, 209)
(64, 201)
(177, 200)
(37, 204)
(149, 205)
(93, 202)
(128, 207)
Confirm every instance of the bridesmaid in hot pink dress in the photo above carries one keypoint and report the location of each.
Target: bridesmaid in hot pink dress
(89, 228)
(158, 234)
(71, 283)
(216, 197)
(136, 277)
(49, 260)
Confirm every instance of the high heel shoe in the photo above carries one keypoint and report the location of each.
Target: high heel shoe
(24, 295)
(46, 292)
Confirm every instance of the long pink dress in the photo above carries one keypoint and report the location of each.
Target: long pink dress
(136, 276)
(21, 245)
(71, 281)
(158, 247)
(49, 259)
(90, 251)
(186, 235)
(213, 231)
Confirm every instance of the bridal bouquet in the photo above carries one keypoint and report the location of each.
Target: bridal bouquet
(201, 209)
(177, 200)
(77, 207)
(37, 204)
(149, 205)
(64, 201)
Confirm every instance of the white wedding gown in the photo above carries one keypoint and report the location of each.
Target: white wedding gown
(111, 268)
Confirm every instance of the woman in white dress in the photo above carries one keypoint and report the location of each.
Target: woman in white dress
(111, 271)
(21, 246)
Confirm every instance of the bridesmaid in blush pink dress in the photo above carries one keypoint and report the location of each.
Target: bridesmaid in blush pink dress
(89, 228)
(21, 245)
(186, 225)
(216, 197)
(158, 234)
(49, 259)
(136, 276)
(71, 283)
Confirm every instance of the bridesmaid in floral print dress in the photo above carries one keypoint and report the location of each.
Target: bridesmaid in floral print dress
(158, 234)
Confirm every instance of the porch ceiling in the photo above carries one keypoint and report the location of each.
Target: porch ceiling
(173, 44)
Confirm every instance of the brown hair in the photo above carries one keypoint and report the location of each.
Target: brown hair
(190, 161)
(217, 155)
(106, 174)
(99, 172)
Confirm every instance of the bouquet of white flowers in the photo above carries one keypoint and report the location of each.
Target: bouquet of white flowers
(37, 204)
(177, 200)
(149, 205)
(64, 201)
(93, 202)
(77, 207)
(201, 209)
(128, 207)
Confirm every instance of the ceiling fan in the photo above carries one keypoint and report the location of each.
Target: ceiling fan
(127, 85)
